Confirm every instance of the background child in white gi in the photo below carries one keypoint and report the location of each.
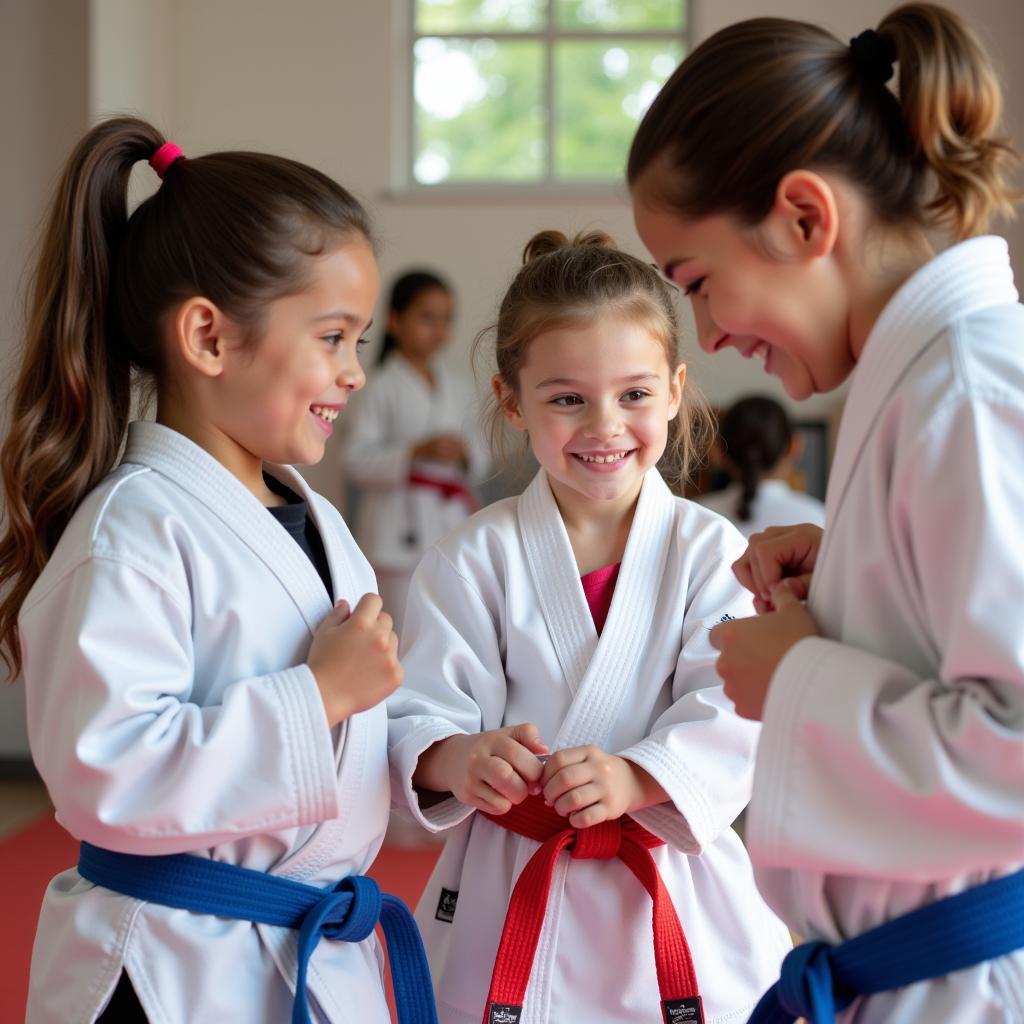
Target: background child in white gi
(784, 187)
(506, 659)
(414, 444)
(190, 687)
(759, 448)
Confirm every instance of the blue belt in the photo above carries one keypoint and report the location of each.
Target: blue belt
(951, 934)
(348, 912)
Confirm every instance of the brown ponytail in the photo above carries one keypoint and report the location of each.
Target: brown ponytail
(952, 105)
(236, 228)
(767, 96)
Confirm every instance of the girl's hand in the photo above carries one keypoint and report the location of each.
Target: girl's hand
(354, 658)
(780, 552)
(490, 771)
(751, 649)
(589, 786)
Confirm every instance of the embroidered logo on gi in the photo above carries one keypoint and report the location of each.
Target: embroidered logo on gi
(503, 1013)
(446, 905)
(683, 1011)
(727, 618)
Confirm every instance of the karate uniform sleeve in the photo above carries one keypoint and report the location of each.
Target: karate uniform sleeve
(130, 763)
(699, 750)
(373, 457)
(869, 769)
(454, 679)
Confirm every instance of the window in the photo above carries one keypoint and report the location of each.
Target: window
(533, 92)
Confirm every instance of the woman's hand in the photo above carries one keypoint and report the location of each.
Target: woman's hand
(780, 552)
(752, 648)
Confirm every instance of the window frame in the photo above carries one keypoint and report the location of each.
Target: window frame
(403, 125)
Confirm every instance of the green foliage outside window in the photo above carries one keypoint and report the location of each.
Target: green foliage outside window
(536, 91)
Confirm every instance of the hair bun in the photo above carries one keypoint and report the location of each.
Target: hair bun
(551, 240)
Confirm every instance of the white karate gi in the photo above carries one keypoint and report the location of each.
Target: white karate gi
(498, 632)
(775, 504)
(397, 522)
(170, 711)
(891, 765)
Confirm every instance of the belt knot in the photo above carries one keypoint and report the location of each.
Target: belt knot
(599, 842)
(328, 919)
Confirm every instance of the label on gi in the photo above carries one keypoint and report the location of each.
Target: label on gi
(683, 1011)
(446, 905)
(503, 1013)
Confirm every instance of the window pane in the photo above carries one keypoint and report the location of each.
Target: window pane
(631, 15)
(479, 111)
(602, 90)
(454, 16)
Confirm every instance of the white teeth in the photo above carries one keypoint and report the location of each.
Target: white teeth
(760, 350)
(604, 458)
(327, 415)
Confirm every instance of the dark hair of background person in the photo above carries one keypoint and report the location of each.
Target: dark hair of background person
(756, 436)
(404, 293)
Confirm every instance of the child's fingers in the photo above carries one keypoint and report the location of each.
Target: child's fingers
(590, 816)
(484, 798)
(368, 608)
(338, 614)
(562, 759)
(504, 777)
(578, 798)
(568, 778)
(528, 735)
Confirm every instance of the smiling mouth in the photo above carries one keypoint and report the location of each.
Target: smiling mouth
(327, 413)
(605, 459)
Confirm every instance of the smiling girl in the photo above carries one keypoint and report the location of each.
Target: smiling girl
(203, 652)
(560, 688)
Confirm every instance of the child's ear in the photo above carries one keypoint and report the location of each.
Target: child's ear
(676, 384)
(198, 333)
(803, 222)
(508, 402)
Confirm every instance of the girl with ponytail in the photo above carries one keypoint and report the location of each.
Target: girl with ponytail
(759, 448)
(822, 206)
(203, 652)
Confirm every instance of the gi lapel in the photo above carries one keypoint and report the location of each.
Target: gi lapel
(597, 672)
(556, 580)
(342, 577)
(965, 279)
(202, 476)
(604, 691)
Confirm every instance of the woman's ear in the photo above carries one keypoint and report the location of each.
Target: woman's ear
(508, 402)
(199, 331)
(803, 222)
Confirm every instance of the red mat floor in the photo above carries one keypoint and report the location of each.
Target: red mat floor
(32, 856)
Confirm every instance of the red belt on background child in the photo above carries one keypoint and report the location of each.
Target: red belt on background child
(450, 489)
(622, 838)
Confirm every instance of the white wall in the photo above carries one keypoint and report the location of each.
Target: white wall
(43, 75)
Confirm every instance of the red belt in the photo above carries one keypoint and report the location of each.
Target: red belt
(622, 838)
(449, 489)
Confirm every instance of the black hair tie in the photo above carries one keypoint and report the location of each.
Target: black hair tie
(873, 55)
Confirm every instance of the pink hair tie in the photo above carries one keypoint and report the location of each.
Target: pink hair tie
(165, 156)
